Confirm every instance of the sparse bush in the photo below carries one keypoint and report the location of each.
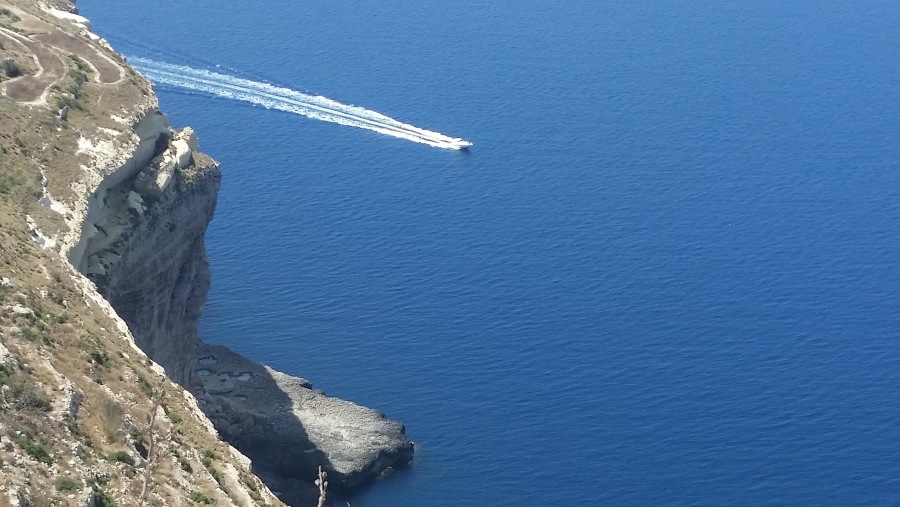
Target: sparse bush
(68, 101)
(120, 457)
(102, 499)
(11, 68)
(100, 357)
(32, 448)
(185, 464)
(217, 476)
(67, 484)
(144, 384)
(175, 418)
(10, 181)
(199, 497)
(37, 336)
(78, 80)
(82, 65)
(21, 394)
(207, 458)
(252, 487)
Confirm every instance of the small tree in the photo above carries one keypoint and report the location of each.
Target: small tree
(11, 68)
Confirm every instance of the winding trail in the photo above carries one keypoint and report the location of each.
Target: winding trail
(49, 49)
(106, 71)
(33, 88)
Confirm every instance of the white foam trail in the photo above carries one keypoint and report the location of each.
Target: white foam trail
(286, 99)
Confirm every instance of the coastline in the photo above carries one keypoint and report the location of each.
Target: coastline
(131, 222)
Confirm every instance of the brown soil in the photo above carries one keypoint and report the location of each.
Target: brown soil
(107, 71)
(31, 88)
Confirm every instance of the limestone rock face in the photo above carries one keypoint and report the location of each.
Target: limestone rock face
(159, 174)
(142, 244)
(289, 429)
(146, 255)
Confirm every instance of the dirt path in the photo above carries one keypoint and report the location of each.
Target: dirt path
(51, 47)
(33, 88)
(107, 71)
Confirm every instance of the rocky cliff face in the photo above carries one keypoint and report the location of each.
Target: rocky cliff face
(90, 172)
(129, 209)
(142, 244)
(289, 429)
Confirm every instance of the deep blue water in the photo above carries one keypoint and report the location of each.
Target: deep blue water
(667, 273)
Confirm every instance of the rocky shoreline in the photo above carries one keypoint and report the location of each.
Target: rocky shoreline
(132, 219)
(144, 250)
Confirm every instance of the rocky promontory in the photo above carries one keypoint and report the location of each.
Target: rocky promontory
(112, 205)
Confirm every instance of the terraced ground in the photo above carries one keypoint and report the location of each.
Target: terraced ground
(24, 35)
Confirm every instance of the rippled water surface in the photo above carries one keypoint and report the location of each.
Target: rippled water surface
(666, 273)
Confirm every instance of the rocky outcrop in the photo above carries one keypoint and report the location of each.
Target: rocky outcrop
(129, 210)
(289, 429)
(141, 243)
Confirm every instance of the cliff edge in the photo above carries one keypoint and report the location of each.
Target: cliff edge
(111, 205)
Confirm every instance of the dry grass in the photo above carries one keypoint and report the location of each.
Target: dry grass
(68, 339)
(112, 418)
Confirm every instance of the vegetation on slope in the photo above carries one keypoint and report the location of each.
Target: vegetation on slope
(82, 412)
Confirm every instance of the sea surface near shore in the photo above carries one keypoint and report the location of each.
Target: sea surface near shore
(666, 273)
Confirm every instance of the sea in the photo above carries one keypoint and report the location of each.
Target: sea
(665, 273)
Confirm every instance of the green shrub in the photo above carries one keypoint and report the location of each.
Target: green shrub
(67, 484)
(100, 357)
(120, 457)
(199, 497)
(82, 65)
(144, 384)
(32, 448)
(185, 464)
(10, 181)
(22, 395)
(207, 458)
(11, 68)
(102, 499)
(37, 336)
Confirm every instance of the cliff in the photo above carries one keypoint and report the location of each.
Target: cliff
(141, 241)
(103, 209)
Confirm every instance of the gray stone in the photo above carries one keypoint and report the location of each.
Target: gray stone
(290, 429)
(148, 260)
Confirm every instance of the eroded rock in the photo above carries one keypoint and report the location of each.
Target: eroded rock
(289, 429)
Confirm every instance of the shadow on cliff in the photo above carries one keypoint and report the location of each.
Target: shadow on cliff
(253, 411)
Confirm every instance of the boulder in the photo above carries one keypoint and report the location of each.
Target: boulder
(290, 429)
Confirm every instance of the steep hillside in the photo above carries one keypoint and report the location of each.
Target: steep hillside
(106, 394)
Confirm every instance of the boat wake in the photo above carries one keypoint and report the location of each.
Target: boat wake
(286, 99)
